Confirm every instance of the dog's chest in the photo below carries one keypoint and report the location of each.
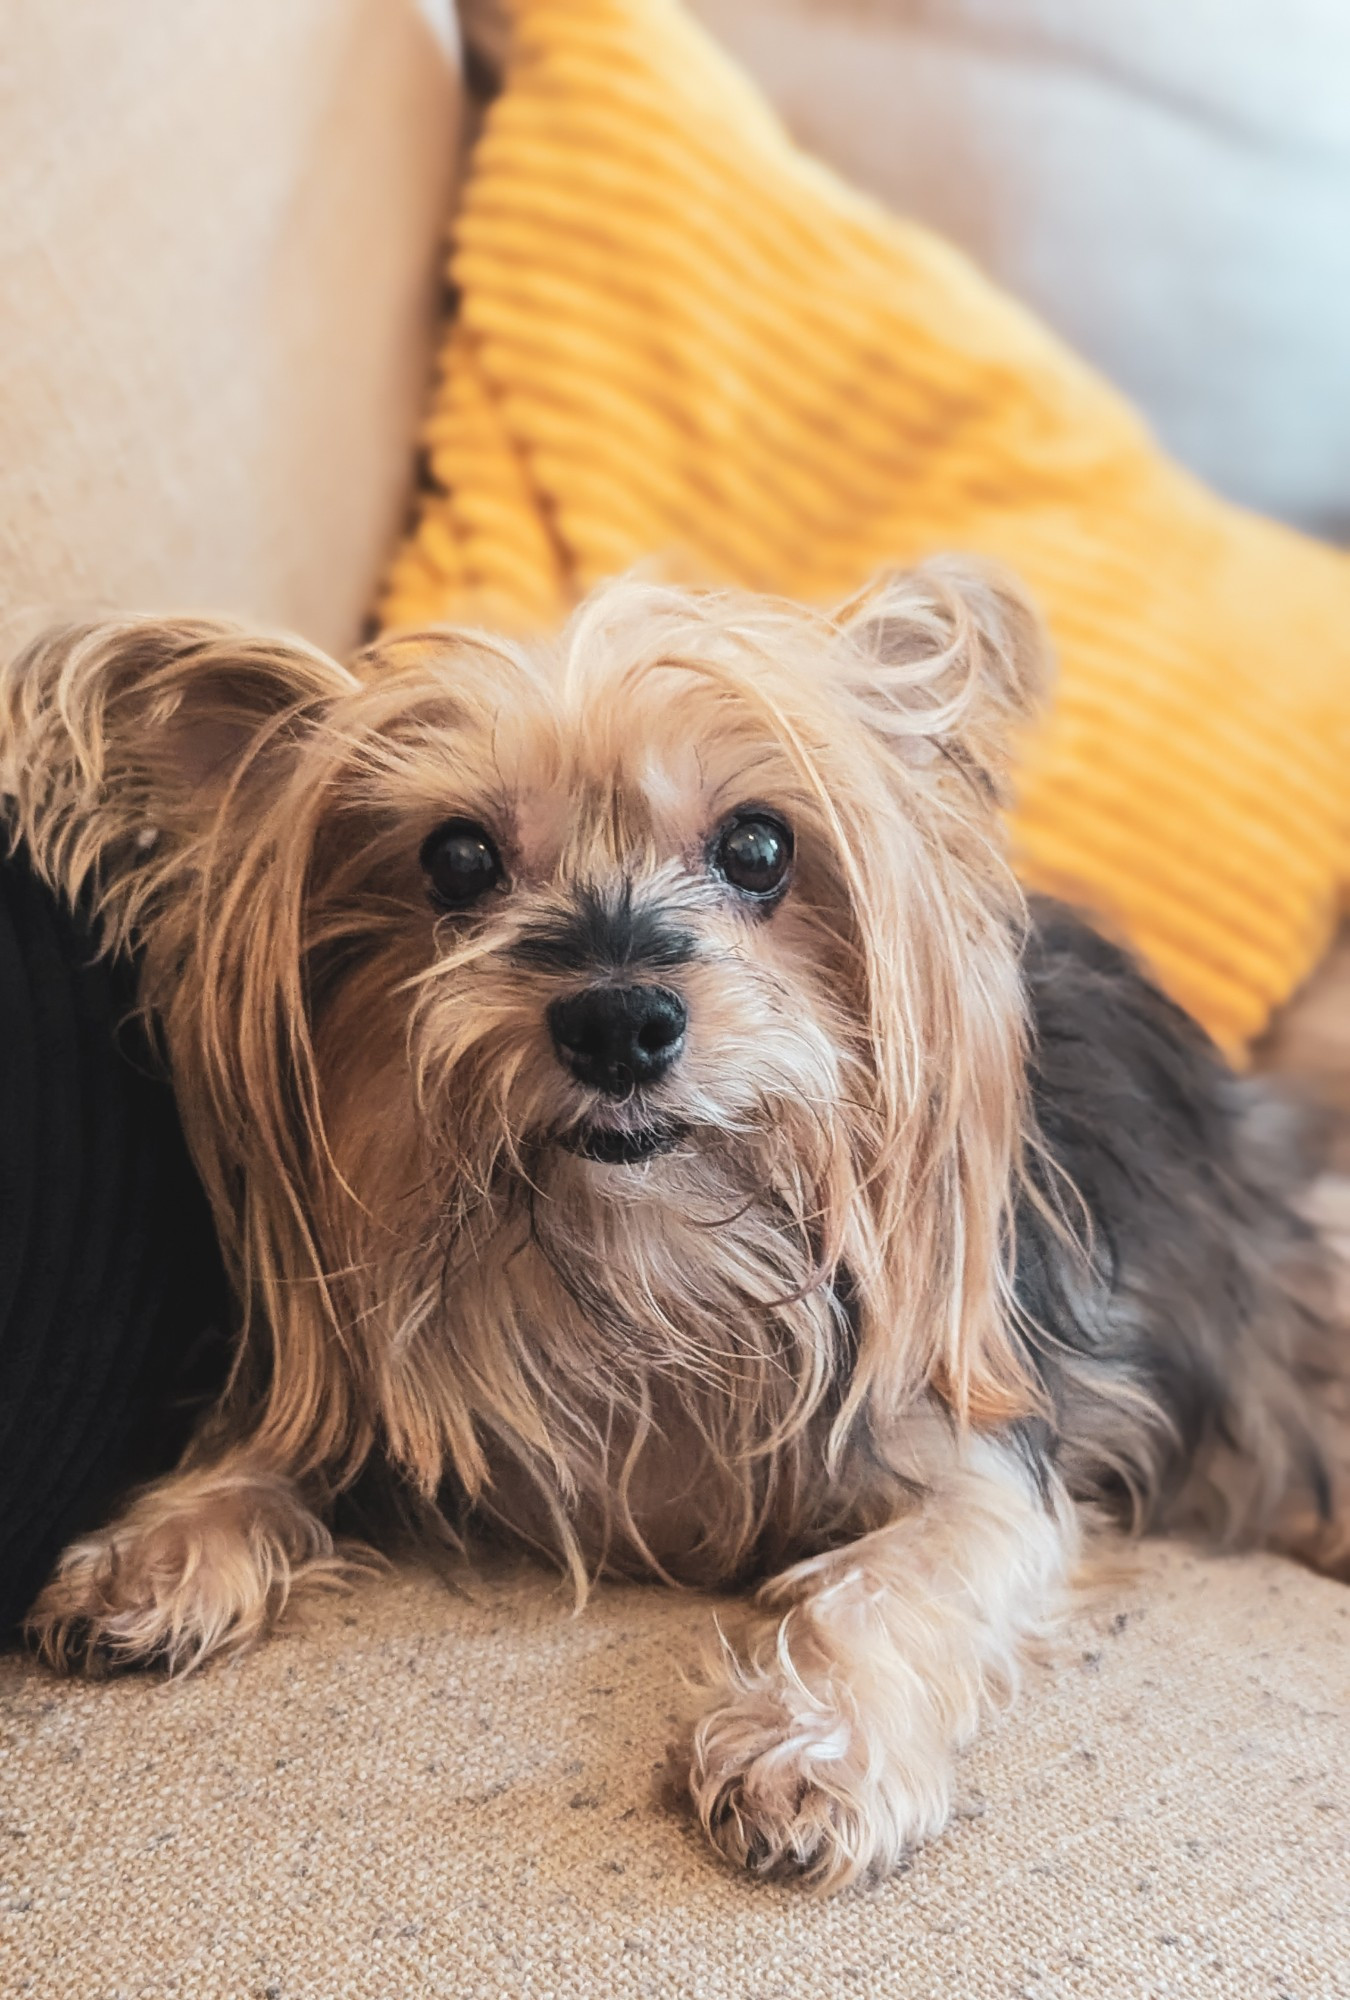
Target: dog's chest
(666, 1509)
(680, 1431)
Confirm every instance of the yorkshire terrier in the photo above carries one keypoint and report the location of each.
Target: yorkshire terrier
(640, 1110)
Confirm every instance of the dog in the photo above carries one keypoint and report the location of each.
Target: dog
(641, 1111)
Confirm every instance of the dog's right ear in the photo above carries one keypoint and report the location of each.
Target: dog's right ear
(125, 739)
(948, 660)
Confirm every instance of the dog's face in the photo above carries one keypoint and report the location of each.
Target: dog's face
(628, 899)
(672, 958)
(624, 957)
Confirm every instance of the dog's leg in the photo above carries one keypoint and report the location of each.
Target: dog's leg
(826, 1743)
(201, 1562)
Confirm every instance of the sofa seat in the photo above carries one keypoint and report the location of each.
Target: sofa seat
(418, 1792)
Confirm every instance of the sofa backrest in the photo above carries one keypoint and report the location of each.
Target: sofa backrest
(1166, 182)
(220, 230)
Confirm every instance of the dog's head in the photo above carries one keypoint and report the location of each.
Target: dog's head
(681, 945)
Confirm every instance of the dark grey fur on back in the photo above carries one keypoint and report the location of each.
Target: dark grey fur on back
(1183, 1349)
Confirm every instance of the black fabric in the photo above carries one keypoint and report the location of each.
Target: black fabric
(112, 1298)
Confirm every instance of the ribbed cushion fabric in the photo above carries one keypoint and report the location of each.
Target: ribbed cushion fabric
(111, 1290)
(678, 336)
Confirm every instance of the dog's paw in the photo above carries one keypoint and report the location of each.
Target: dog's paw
(92, 1618)
(196, 1566)
(777, 1823)
(794, 1785)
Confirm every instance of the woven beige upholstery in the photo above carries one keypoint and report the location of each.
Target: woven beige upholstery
(422, 1795)
(219, 234)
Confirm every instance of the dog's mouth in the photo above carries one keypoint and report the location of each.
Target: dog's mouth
(612, 1147)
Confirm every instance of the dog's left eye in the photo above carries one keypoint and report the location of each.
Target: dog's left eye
(753, 851)
(461, 863)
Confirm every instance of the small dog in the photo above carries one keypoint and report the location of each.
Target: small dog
(639, 1109)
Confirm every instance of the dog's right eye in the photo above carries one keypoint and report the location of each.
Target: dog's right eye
(753, 851)
(461, 863)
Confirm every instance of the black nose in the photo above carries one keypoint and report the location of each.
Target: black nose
(616, 1037)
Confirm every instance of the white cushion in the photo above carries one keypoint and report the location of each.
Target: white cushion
(1167, 182)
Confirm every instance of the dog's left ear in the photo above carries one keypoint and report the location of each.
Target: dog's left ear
(127, 738)
(946, 662)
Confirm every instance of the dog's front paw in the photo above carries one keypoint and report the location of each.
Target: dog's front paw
(95, 1616)
(202, 1563)
(794, 1782)
(767, 1812)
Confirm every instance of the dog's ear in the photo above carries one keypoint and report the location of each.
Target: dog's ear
(939, 666)
(127, 737)
(946, 662)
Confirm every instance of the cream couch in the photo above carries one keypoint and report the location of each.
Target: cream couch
(218, 248)
(1167, 182)
(218, 256)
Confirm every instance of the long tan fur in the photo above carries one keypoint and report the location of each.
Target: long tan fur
(694, 1367)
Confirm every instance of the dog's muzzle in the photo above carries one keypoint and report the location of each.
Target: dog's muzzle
(618, 1039)
(615, 1146)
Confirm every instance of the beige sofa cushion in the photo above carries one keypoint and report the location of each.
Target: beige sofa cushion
(428, 1795)
(219, 238)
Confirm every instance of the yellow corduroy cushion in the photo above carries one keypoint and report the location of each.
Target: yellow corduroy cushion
(678, 335)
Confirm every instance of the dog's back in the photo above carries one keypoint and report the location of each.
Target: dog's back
(1180, 1301)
